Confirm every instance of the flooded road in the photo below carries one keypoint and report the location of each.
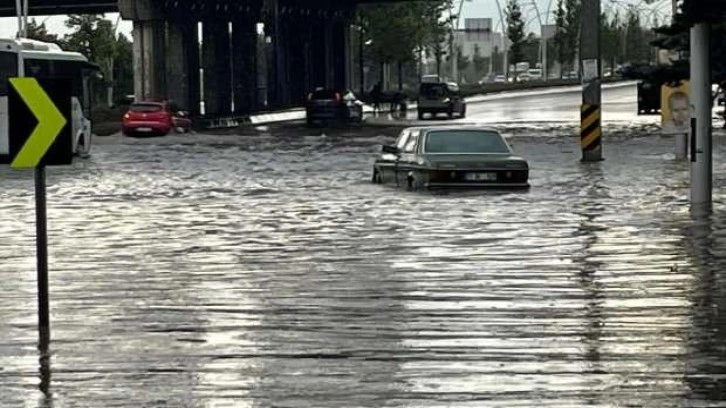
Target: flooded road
(269, 272)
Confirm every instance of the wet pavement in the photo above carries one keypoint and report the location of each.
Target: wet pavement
(553, 108)
(267, 271)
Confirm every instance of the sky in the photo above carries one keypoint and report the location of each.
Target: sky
(470, 9)
(56, 25)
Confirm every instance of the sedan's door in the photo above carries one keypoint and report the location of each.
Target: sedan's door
(407, 160)
(386, 164)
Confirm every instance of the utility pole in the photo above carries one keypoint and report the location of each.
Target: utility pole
(681, 138)
(19, 11)
(590, 118)
(545, 63)
(452, 46)
(504, 42)
(701, 142)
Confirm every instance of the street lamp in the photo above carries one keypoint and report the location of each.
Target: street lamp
(504, 41)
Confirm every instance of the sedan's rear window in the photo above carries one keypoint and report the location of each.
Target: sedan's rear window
(323, 94)
(146, 107)
(465, 141)
(438, 90)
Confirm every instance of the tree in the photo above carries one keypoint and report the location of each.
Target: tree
(675, 37)
(560, 39)
(39, 32)
(480, 63)
(124, 67)
(567, 19)
(498, 60)
(515, 31)
(399, 32)
(94, 37)
(462, 60)
(610, 37)
(530, 49)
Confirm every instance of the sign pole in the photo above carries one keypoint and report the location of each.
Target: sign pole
(590, 120)
(41, 220)
(701, 141)
(40, 135)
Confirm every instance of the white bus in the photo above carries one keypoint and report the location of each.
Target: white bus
(48, 60)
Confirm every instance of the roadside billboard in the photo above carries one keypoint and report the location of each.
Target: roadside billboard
(675, 108)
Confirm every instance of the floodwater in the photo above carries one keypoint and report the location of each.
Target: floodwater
(269, 272)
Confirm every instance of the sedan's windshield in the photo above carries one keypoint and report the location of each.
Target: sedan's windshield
(465, 141)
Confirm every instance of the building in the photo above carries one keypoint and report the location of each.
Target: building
(476, 36)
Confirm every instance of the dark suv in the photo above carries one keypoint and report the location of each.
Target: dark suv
(440, 97)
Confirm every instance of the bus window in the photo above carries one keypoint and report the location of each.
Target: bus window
(72, 70)
(38, 68)
(8, 69)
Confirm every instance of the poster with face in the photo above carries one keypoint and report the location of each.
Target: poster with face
(675, 108)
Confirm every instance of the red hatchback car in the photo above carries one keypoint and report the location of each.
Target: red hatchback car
(155, 119)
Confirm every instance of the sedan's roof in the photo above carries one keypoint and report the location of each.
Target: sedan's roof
(453, 127)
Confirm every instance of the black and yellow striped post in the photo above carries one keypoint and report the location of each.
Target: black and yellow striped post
(591, 129)
(590, 132)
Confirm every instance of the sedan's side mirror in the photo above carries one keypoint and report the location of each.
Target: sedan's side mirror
(390, 149)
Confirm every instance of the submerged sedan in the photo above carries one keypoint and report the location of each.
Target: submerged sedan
(459, 157)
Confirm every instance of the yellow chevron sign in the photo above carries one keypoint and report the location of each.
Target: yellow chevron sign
(39, 112)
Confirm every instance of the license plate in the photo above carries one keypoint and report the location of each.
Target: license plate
(143, 129)
(480, 176)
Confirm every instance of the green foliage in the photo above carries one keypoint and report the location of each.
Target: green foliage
(498, 60)
(462, 62)
(675, 37)
(531, 49)
(480, 63)
(567, 38)
(39, 32)
(397, 31)
(95, 37)
(515, 31)
(124, 67)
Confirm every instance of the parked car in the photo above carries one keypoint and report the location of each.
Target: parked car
(325, 104)
(500, 79)
(523, 77)
(648, 98)
(535, 74)
(155, 119)
(459, 157)
(440, 97)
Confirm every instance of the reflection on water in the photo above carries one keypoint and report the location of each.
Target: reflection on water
(269, 272)
(704, 242)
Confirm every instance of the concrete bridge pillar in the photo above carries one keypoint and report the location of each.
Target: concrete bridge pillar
(182, 64)
(149, 36)
(281, 44)
(298, 61)
(244, 65)
(217, 67)
(341, 53)
(328, 53)
(149, 61)
(318, 61)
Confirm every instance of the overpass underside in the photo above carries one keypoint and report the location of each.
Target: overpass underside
(238, 56)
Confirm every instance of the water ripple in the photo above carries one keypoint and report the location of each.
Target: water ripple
(269, 272)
